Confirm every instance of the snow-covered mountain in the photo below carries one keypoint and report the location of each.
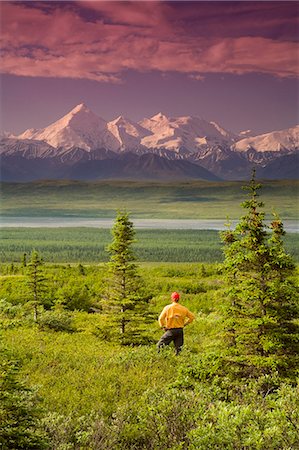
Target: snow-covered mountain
(83, 129)
(183, 134)
(266, 147)
(82, 137)
(79, 128)
(271, 142)
(127, 133)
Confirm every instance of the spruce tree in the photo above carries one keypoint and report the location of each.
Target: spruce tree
(125, 299)
(24, 260)
(19, 415)
(263, 300)
(36, 282)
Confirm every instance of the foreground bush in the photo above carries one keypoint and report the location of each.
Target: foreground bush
(19, 416)
(168, 419)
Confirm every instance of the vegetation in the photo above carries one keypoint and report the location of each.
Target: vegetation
(97, 394)
(19, 414)
(124, 295)
(186, 200)
(264, 301)
(36, 282)
(87, 245)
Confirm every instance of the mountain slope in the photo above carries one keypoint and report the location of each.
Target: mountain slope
(283, 168)
(124, 166)
(17, 168)
(223, 162)
(132, 166)
(28, 148)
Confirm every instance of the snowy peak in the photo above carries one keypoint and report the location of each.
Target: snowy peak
(81, 117)
(160, 117)
(78, 108)
(131, 127)
(277, 141)
(79, 128)
(120, 120)
(186, 132)
(83, 129)
(225, 133)
(127, 133)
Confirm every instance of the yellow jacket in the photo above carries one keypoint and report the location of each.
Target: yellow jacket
(175, 316)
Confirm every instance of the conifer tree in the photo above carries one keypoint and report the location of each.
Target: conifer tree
(36, 281)
(263, 300)
(24, 260)
(19, 415)
(125, 298)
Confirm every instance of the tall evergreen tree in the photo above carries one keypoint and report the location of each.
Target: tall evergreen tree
(125, 298)
(263, 300)
(36, 281)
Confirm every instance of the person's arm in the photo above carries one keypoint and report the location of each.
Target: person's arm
(190, 317)
(161, 319)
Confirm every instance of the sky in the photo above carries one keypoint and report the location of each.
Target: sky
(233, 62)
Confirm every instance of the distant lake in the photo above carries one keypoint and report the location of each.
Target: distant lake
(290, 226)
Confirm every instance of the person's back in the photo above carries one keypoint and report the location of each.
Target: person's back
(173, 319)
(175, 316)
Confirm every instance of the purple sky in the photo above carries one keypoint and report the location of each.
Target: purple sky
(232, 62)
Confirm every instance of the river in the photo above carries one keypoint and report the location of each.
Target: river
(290, 226)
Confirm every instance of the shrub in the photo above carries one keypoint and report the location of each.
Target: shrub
(56, 321)
(9, 310)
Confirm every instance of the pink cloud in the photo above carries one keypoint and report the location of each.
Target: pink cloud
(142, 14)
(141, 36)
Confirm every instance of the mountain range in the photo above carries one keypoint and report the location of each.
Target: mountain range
(82, 145)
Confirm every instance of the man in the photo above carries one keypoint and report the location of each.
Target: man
(173, 319)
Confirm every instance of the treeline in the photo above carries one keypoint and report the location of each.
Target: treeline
(86, 245)
(89, 245)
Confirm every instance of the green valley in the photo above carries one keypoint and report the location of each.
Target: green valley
(189, 200)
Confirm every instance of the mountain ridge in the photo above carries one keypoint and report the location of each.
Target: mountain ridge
(82, 136)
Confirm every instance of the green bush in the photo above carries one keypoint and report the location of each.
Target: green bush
(266, 423)
(9, 310)
(56, 321)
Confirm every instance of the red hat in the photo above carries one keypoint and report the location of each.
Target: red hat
(175, 296)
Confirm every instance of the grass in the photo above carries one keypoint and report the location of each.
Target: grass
(185, 200)
(60, 360)
(79, 372)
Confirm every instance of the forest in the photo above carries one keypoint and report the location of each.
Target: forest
(79, 363)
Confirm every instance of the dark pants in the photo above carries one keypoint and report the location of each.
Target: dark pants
(172, 334)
